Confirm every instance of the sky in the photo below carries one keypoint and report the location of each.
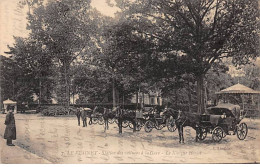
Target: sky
(13, 20)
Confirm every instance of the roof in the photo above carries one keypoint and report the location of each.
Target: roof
(234, 109)
(238, 88)
(227, 105)
(8, 101)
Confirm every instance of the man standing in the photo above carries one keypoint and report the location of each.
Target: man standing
(10, 130)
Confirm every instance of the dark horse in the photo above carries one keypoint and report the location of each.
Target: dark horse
(125, 115)
(78, 115)
(105, 116)
(183, 119)
(83, 113)
(108, 114)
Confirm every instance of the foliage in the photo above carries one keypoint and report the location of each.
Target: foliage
(66, 29)
(251, 76)
(35, 70)
(197, 33)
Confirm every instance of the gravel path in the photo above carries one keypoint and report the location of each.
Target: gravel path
(61, 140)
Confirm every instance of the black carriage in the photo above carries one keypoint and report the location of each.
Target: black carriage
(112, 116)
(222, 120)
(128, 117)
(97, 116)
(141, 118)
(159, 119)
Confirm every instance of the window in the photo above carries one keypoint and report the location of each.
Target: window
(152, 100)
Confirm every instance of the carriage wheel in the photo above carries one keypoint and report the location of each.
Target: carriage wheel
(125, 124)
(101, 121)
(116, 120)
(94, 120)
(131, 125)
(148, 126)
(158, 126)
(202, 133)
(142, 122)
(170, 123)
(111, 121)
(217, 134)
(242, 131)
(138, 125)
(51, 114)
(224, 134)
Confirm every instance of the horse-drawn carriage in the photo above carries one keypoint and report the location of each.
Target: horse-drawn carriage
(149, 118)
(99, 115)
(96, 116)
(131, 117)
(159, 119)
(222, 120)
(128, 117)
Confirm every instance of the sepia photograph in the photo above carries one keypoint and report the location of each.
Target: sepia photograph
(129, 82)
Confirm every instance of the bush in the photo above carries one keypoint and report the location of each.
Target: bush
(55, 110)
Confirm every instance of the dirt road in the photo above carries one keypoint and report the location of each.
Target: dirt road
(61, 140)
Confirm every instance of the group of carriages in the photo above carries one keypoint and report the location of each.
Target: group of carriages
(221, 120)
(148, 117)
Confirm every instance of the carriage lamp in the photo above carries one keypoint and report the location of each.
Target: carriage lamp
(223, 116)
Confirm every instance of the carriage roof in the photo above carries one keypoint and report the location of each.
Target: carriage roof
(227, 108)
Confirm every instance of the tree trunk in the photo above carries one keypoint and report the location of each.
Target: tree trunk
(176, 98)
(189, 97)
(143, 100)
(40, 94)
(114, 92)
(206, 96)
(200, 94)
(73, 98)
(67, 85)
(123, 100)
(136, 100)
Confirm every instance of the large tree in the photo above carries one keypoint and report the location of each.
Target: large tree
(8, 75)
(34, 70)
(66, 30)
(198, 32)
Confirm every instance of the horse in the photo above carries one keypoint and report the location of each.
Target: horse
(78, 114)
(83, 113)
(183, 119)
(97, 115)
(124, 115)
(119, 114)
(105, 116)
(89, 113)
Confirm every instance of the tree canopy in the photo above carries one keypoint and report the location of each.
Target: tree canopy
(197, 33)
(172, 45)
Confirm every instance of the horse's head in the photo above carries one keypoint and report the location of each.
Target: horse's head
(176, 114)
(77, 110)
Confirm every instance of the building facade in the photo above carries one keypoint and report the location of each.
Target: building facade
(150, 98)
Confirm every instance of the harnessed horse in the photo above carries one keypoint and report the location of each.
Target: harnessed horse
(123, 115)
(105, 116)
(78, 115)
(183, 119)
(83, 113)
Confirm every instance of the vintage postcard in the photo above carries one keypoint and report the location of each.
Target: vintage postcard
(129, 82)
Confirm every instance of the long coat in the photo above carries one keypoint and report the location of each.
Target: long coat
(10, 130)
